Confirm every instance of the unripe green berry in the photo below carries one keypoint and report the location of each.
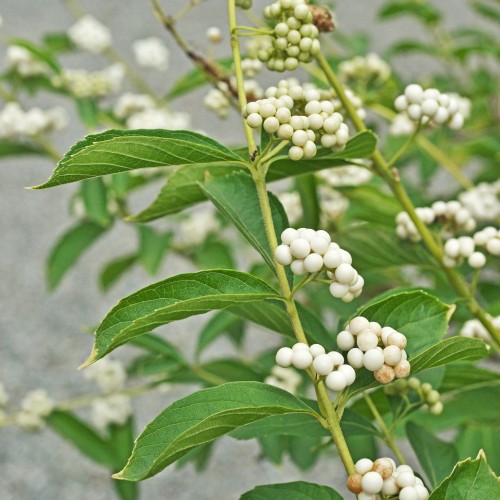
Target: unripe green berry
(413, 383)
(291, 63)
(437, 408)
(426, 388)
(281, 29)
(433, 397)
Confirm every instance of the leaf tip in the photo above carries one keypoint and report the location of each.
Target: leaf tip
(90, 360)
(451, 311)
(118, 475)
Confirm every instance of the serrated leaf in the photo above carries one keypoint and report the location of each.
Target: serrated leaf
(214, 254)
(377, 247)
(474, 437)
(470, 480)
(450, 350)
(303, 450)
(83, 437)
(68, 249)
(183, 190)
(173, 299)
(420, 316)
(155, 344)
(114, 270)
(299, 490)
(300, 425)
(231, 370)
(117, 151)
(236, 198)
(460, 375)
(436, 457)
(202, 417)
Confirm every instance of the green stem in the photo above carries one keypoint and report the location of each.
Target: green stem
(393, 180)
(242, 98)
(402, 150)
(258, 174)
(388, 437)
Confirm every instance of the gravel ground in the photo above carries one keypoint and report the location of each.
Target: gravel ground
(41, 335)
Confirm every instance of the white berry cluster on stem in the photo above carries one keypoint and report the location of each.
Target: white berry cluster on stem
(380, 350)
(451, 214)
(483, 201)
(365, 68)
(295, 37)
(373, 480)
(300, 116)
(285, 378)
(338, 375)
(309, 251)
(430, 106)
(458, 249)
(489, 238)
(90, 34)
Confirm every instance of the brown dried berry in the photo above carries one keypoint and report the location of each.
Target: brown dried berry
(354, 483)
(384, 375)
(322, 18)
(384, 467)
(402, 369)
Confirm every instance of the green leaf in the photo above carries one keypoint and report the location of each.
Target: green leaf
(219, 324)
(420, 316)
(423, 11)
(302, 425)
(202, 417)
(88, 111)
(436, 457)
(299, 490)
(378, 247)
(194, 79)
(450, 350)
(460, 375)
(117, 151)
(199, 456)
(412, 46)
(307, 188)
(273, 448)
(155, 344)
(474, 437)
(236, 198)
(470, 480)
(488, 11)
(95, 199)
(304, 450)
(214, 254)
(231, 370)
(173, 299)
(114, 270)
(58, 42)
(83, 437)
(10, 148)
(183, 189)
(68, 249)
(152, 248)
(121, 438)
(40, 53)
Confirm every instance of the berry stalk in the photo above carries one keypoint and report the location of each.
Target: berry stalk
(258, 174)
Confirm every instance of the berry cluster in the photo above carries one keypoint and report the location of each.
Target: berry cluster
(474, 328)
(90, 34)
(301, 117)
(24, 62)
(151, 52)
(251, 67)
(452, 213)
(489, 237)
(365, 69)
(378, 349)
(330, 365)
(483, 201)
(458, 249)
(294, 38)
(433, 107)
(16, 123)
(382, 478)
(430, 398)
(309, 251)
